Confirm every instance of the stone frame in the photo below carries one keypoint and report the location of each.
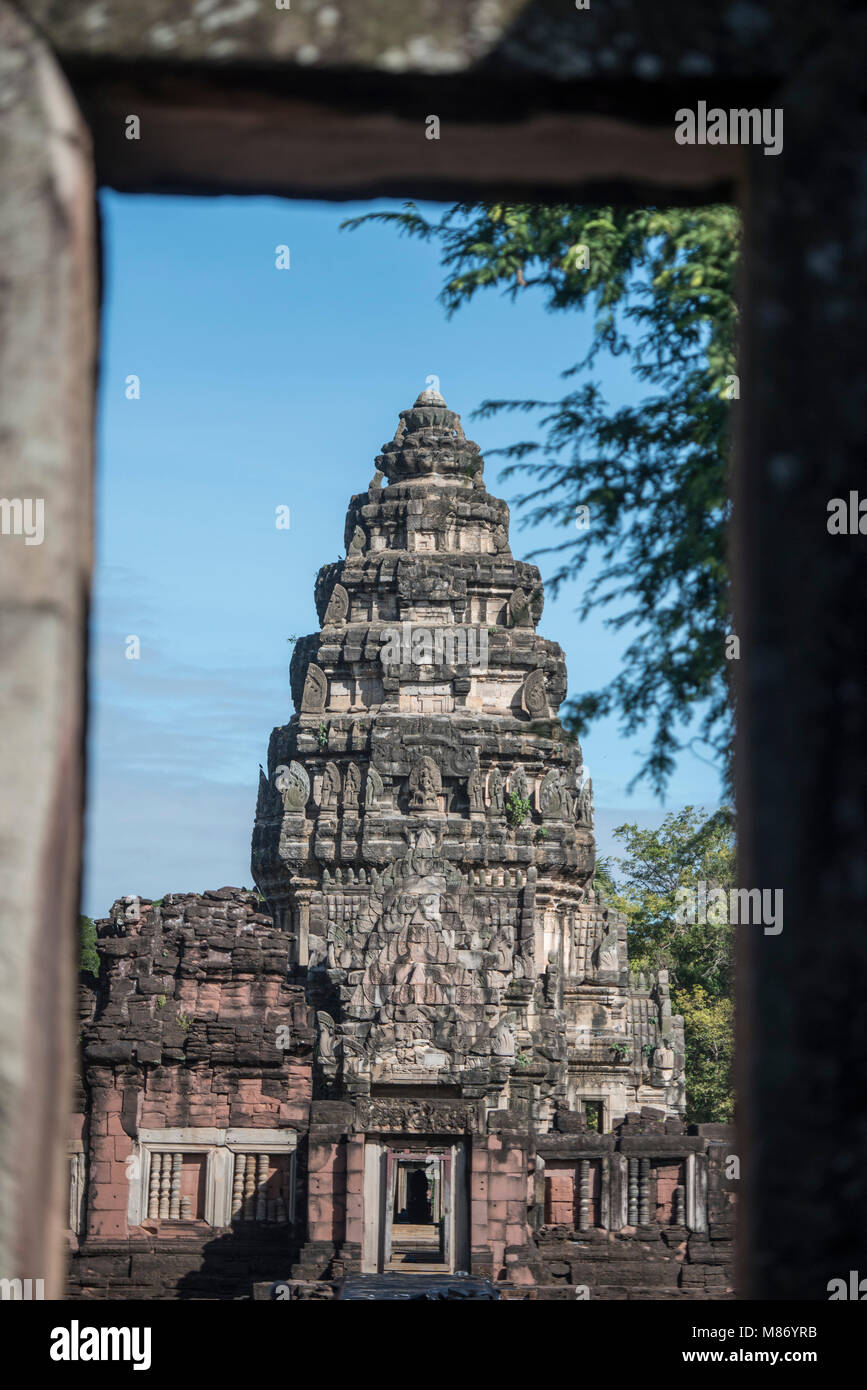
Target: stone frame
(77, 1158)
(220, 1146)
(375, 1192)
(795, 449)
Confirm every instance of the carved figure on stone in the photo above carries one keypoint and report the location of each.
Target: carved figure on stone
(352, 785)
(358, 542)
(518, 783)
(552, 978)
(338, 607)
(519, 609)
(552, 796)
(325, 1038)
(293, 785)
(330, 794)
(425, 786)
(608, 954)
(315, 690)
(534, 696)
(585, 804)
(503, 1042)
(475, 791)
(374, 791)
(495, 790)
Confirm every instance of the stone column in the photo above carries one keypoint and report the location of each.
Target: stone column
(802, 702)
(47, 374)
(153, 1207)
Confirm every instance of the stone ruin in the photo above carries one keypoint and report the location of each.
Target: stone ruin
(419, 1045)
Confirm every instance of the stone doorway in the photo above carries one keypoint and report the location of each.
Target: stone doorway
(418, 1211)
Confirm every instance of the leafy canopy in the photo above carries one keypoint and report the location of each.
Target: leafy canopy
(687, 849)
(88, 956)
(660, 286)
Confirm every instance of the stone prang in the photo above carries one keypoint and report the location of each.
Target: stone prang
(417, 1047)
(425, 830)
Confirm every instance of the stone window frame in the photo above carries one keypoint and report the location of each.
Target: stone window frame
(605, 1102)
(694, 1179)
(220, 1147)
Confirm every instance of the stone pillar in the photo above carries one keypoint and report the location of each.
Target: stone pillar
(583, 1194)
(153, 1208)
(352, 1247)
(331, 1123)
(508, 1192)
(47, 374)
(480, 1254)
(108, 1194)
(802, 703)
(632, 1191)
(643, 1191)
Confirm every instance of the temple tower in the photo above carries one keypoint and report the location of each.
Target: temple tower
(424, 836)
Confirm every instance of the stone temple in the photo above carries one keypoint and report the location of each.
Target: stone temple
(418, 1047)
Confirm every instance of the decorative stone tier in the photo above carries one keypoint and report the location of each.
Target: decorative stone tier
(424, 831)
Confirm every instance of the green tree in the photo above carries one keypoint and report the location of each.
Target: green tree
(660, 285)
(88, 956)
(687, 849)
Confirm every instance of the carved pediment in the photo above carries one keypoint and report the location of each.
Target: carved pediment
(294, 786)
(315, 690)
(338, 606)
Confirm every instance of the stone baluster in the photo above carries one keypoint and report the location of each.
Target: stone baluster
(186, 1208)
(165, 1186)
(154, 1186)
(583, 1194)
(175, 1200)
(679, 1206)
(238, 1187)
(644, 1191)
(632, 1212)
(261, 1183)
(250, 1188)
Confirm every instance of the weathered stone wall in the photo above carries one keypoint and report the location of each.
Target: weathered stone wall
(195, 1030)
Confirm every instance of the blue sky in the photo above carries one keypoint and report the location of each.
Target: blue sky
(259, 388)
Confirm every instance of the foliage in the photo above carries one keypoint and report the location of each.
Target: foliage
(88, 956)
(709, 1030)
(517, 808)
(660, 284)
(687, 849)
